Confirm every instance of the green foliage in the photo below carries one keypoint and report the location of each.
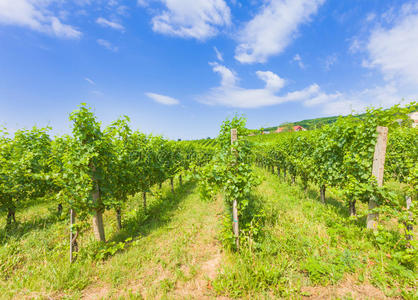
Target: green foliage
(231, 173)
(306, 243)
(24, 170)
(286, 237)
(92, 170)
(341, 155)
(331, 267)
(100, 251)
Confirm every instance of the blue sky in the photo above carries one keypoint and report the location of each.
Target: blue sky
(180, 67)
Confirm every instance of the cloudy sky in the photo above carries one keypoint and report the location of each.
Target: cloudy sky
(180, 67)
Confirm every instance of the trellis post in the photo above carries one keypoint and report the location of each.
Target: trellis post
(235, 225)
(72, 240)
(377, 171)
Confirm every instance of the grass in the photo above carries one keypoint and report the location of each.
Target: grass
(173, 248)
(304, 249)
(311, 249)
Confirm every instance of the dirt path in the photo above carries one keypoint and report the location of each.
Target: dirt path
(178, 261)
(207, 257)
(347, 289)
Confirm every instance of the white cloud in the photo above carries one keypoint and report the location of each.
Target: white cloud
(89, 81)
(355, 45)
(112, 2)
(322, 98)
(273, 29)
(199, 19)
(162, 99)
(122, 10)
(273, 82)
(232, 95)
(107, 45)
(330, 60)
(106, 23)
(35, 15)
(97, 93)
(370, 17)
(63, 30)
(298, 59)
(394, 51)
(378, 96)
(218, 54)
(228, 78)
(391, 48)
(143, 3)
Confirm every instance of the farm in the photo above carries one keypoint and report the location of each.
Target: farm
(108, 212)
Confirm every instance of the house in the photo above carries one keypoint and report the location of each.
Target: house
(265, 132)
(294, 128)
(414, 117)
(298, 128)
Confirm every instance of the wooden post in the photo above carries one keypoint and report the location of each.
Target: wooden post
(119, 218)
(377, 171)
(172, 184)
(144, 200)
(409, 228)
(352, 208)
(322, 193)
(11, 213)
(235, 224)
(71, 235)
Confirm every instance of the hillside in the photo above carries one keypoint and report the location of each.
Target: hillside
(313, 123)
(308, 124)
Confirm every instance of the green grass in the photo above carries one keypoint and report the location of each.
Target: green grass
(171, 244)
(173, 251)
(308, 247)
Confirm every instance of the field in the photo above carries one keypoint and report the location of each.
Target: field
(308, 250)
(260, 217)
(208, 149)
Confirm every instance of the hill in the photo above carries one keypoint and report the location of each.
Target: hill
(313, 123)
(308, 124)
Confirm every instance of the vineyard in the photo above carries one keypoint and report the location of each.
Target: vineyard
(108, 212)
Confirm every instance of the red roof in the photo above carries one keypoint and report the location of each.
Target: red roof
(295, 128)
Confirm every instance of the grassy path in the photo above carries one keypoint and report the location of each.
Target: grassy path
(176, 260)
(310, 250)
(176, 255)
